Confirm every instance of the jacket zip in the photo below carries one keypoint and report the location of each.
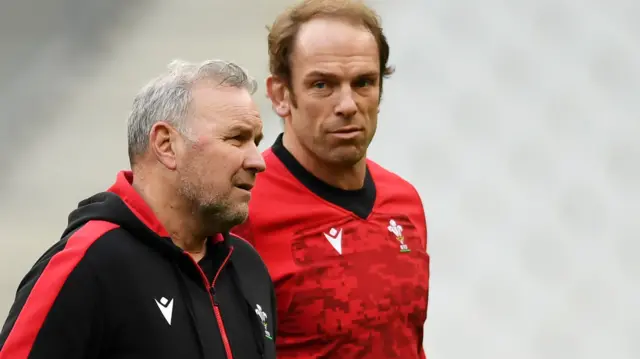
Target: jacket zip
(223, 332)
(216, 309)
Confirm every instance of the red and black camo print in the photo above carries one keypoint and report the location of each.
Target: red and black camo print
(370, 301)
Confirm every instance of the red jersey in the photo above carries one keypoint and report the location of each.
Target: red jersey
(350, 268)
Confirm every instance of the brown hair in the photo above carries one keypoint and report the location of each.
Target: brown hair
(283, 32)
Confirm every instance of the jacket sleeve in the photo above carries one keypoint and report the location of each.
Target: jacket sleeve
(58, 310)
(274, 311)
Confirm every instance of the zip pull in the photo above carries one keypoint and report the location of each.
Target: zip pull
(212, 291)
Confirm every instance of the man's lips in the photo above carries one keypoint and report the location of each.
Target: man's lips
(348, 129)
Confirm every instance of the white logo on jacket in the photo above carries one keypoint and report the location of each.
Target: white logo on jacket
(335, 239)
(263, 318)
(166, 308)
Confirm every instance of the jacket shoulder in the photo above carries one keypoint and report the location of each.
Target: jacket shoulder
(104, 244)
(243, 247)
(246, 256)
(80, 242)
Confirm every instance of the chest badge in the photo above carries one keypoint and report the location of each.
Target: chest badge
(396, 229)
(166, 308)
(263, 318)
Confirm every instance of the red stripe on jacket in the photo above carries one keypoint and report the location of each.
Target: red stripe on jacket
(44, 293)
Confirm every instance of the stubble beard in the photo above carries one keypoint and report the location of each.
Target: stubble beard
(344, 155)
(214, 212)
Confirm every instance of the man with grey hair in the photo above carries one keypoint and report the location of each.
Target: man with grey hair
(147, 269)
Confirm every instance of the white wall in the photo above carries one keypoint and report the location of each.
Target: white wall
(518, 121)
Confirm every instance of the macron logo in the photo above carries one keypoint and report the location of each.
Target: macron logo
(166, 308)
(335, 239)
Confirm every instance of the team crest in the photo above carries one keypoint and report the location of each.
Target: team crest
(396, 229)
(263, 318)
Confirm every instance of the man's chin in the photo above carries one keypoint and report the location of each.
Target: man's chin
(347, 156)
(225, 220)
(238, 215)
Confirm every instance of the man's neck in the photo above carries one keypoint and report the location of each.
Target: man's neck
(343, 177)
(176, 218)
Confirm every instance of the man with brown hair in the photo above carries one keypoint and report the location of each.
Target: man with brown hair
(343, 238)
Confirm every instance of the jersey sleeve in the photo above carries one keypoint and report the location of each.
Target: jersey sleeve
(426, 230)
(422, 219)
(58, 310)
(423, 222)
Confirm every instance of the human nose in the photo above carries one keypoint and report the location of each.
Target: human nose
(347, 106)
(254, 161)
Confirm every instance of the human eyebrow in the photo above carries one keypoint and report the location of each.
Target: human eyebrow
(370, 75)
(240, 130)
(247, 133)
(315, 75)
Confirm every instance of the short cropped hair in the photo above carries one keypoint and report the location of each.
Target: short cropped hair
(168, 97)
(283, 31)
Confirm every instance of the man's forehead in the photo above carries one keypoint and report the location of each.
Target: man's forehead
(225, 106)
(218, 98)
(335, 46)
(245, 118)
(239, 119)
(330, 36)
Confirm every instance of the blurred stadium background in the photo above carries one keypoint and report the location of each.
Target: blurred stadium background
(518, 121)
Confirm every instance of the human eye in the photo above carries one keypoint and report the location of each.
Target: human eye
(365, 82)
(319, 85)
(238, 139)
(235, 140)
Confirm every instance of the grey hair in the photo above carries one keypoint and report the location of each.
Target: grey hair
(168, 97)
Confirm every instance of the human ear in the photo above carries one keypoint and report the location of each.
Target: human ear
(162, 142)
(278, 93)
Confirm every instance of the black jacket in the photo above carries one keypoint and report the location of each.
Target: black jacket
(115, 287)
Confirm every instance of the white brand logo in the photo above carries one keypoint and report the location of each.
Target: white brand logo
(166, 307)
(335, 238)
